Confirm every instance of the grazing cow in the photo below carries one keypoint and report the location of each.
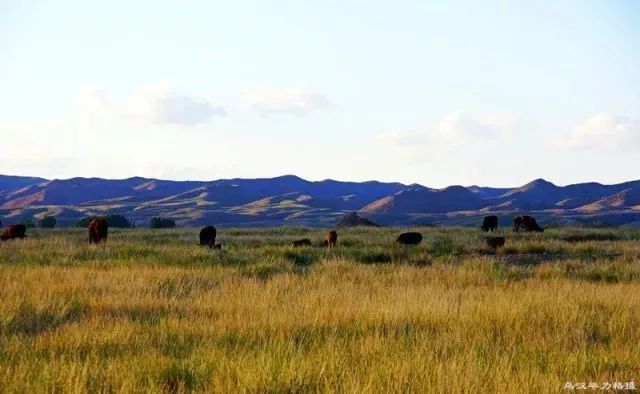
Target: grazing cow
(528, 223)
(331, 239)
(495, 242)
(490, 223)
(208, 236)
(217, 246)
(409, 238)
(301, 242)
(14, 231)
(98, 230)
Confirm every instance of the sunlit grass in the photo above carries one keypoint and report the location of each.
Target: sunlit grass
(151, 311)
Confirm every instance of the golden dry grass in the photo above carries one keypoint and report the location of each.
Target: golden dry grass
(151, 311)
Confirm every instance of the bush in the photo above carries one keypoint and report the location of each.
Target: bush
(158, 222)
(48, 222)
(28, 223)
(116, 221)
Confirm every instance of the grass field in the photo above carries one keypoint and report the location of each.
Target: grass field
(151, 311)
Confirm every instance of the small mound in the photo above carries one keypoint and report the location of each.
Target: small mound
(353, 220)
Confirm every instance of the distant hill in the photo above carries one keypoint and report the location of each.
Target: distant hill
(290, 200)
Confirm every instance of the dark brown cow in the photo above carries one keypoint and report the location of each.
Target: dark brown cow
(98, 231)
(301, 242)
(490, 223)
(495, 242)
(410, 238)
(14, 231)
(331, 239)
(208, 236)
(528, 223)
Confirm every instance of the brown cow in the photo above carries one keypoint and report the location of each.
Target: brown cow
(331, 239)
(14, 231)
(528, 223)
(495, 242)
(98, 230)
(301, 242)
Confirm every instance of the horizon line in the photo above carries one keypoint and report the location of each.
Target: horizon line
(315, 181)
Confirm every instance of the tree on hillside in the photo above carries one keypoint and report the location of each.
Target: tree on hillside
(48, 222)
(116, 221)
(84, 222)
(158, 222)
(28, 223)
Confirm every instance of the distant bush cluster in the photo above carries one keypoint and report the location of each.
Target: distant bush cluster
(116, 221)
(158, 222)
(28, 223)
(48, 222)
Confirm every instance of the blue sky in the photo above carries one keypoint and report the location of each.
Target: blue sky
(439, 93)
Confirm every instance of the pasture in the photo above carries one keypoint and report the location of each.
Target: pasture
(151, 311)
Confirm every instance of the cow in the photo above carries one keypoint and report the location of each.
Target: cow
(98, 230)
(217, 246)
(14, 231)
(528, 223)
(301, 242)
(495, 242)
(490, 223)
(208, 236)
(331, 239)
(410, 238)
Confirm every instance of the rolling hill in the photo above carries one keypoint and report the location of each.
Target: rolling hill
(291, 200)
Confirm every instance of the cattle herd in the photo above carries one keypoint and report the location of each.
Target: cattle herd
(99, 230)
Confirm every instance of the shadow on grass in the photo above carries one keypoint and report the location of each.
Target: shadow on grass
(30, 320)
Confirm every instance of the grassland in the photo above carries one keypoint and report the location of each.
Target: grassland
(151, 311)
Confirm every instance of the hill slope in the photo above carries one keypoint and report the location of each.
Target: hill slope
(292, 200)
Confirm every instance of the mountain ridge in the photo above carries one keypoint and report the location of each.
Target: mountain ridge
(292, 200)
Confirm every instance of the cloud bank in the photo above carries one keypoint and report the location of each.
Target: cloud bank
(297, 102)
(604, 132)
(154, 104)
(454, 129)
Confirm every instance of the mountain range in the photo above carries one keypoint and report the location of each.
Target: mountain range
(290, 200)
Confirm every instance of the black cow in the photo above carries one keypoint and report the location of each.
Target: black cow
(490, 223)
(528, 223)
(208, 236)
(410, 238)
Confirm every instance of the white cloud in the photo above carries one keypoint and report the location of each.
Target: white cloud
(298, 102)
(454, 129)
(604, 132)
(155, 104)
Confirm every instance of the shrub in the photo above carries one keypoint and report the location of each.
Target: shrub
(442, 245)
(48, 222)
(371, 256)
(117, 221)
(158, 222)
(301, 258)
(590, 237)
(28, 223)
